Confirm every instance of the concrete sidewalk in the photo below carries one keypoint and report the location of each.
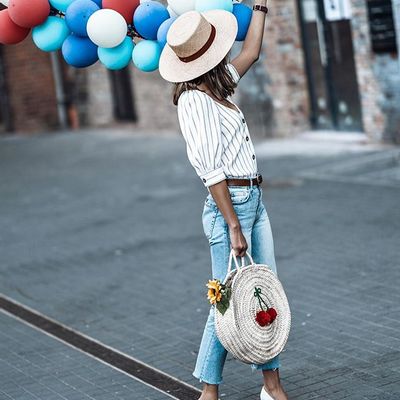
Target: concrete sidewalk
(102, 232)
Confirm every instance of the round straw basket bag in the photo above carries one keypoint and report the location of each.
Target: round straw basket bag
(255, 326)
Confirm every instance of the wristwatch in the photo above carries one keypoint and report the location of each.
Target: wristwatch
(258, 7)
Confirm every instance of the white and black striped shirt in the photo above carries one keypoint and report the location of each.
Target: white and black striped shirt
(217, 138)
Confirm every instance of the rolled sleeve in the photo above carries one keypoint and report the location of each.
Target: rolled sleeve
(201, 128)
(213, 177)
(234, 73)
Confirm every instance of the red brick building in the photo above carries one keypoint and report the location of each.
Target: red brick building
(325, 65)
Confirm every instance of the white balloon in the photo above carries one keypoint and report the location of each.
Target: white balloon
(181, 6)
(107, 28)
(172, 13)
(5, 2)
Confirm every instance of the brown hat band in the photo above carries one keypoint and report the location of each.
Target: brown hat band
(203, 49)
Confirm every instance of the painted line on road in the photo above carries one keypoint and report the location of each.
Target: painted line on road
(122, 362)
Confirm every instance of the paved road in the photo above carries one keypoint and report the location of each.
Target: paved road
(103, 233)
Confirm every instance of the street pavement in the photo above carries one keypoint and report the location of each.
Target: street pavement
(102, 232)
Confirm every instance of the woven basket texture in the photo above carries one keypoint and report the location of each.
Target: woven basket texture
(238, 330)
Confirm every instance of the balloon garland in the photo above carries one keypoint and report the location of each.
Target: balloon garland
(116, 32)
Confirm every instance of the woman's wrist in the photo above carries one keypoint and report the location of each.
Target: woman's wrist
(234, 226)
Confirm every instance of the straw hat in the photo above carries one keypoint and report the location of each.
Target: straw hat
(196, 43)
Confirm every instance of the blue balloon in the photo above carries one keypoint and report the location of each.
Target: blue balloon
(163, 30)
(61, 5)
(148, 17)
(205, 5)
(98, 2)
(50, 35)
(77, 15)
(243, 16)
(80, 52)
(146, 55)
(117, 57)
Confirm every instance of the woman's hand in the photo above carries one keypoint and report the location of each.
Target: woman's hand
(238, 241)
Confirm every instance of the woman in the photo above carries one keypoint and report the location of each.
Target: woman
(221, 151)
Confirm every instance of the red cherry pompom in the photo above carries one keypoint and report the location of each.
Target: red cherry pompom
(272, 313)
(263, 318)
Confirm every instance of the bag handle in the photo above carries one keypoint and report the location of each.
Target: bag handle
(234, 257)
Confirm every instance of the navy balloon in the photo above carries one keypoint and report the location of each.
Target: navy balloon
(243, 16)
(77, 15)
(80, 52)
(148, 17)
(163, 30)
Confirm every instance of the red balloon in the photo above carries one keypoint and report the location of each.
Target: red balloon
(29, 13)
(11, 33)
(125, 7)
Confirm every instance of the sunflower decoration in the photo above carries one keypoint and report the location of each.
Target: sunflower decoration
(219, 295)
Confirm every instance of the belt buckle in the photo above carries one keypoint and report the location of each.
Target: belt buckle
(259, 179)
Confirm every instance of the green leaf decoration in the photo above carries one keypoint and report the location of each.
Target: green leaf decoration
(223, 305)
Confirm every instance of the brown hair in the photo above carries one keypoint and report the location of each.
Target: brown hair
(218, 80)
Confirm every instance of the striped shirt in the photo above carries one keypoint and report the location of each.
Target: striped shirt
(217, 138)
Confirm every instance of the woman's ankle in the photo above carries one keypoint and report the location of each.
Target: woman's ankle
(210, 392)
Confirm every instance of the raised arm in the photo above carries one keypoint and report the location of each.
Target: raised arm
(252, 44)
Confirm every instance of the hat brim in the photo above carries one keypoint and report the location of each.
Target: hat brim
(174, 70)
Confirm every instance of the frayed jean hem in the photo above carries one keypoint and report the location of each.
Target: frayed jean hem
(273, 364)
(218, 382)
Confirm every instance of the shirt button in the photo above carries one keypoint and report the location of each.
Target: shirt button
(204, 179)
(247, 138)
(254, 157)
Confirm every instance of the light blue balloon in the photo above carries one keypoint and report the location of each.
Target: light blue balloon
(146, 55)
(50, 35)
(163, 30)
(117, 57)
(61, 5)
(205, 5)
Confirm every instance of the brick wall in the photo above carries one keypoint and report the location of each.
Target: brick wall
(30, 87)
(273, 94)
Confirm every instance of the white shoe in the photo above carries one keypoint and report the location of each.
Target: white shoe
(264, 395)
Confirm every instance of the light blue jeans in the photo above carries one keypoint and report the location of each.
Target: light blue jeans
(253, 218)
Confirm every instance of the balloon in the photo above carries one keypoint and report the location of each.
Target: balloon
(125, 7)
(79, 52)
(50, 35)
(171, 12)
(148, 17)
(10, 33)
(77, 15)
(98, 2)
(146, 55)
(205, 5)
(243, 16)
(163, 30)
(61, 5)
(181, 6)
(118, 57)
(29, 13)
(107, 28)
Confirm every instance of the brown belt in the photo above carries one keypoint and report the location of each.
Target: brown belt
(244, 182)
